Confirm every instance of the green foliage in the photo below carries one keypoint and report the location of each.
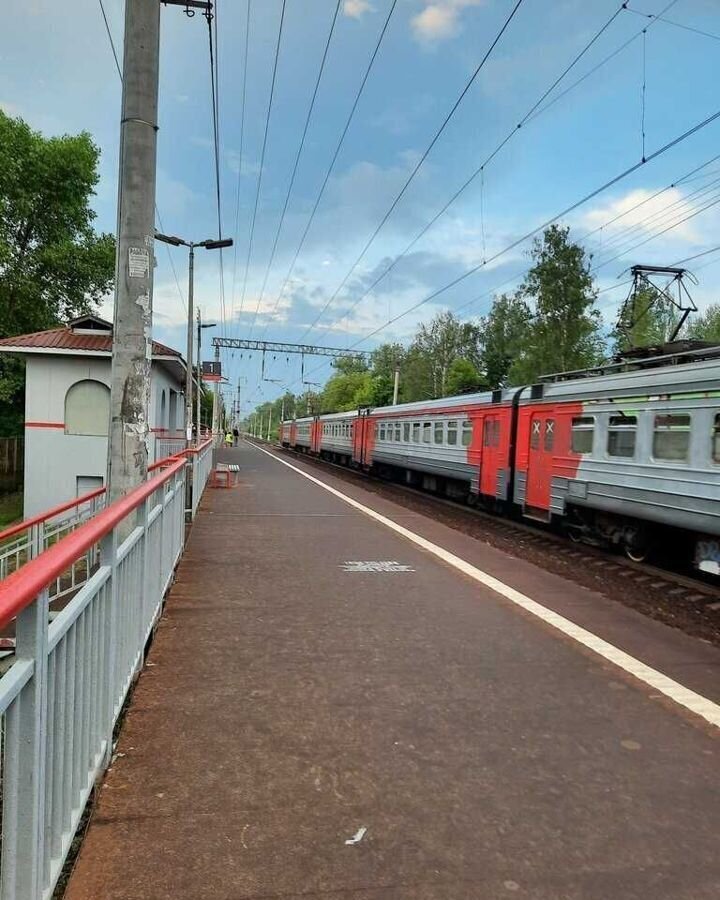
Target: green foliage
(650, 321)
(549, 324)
(435, 348)
(463, 378)
(11, 509)
(505, 336)
(52, 264)
(706, 327)
(565, 330)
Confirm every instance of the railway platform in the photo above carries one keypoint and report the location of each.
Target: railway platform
(345, 699)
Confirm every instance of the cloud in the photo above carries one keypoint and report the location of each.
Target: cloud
(356, 9)
(440, 19)
(639, 213)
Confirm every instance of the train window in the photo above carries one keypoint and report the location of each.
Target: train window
(716, 439)
(406, 432)
(491, 433)
(671, 437)
(535, 434)
(382, 432)
(416, 432)
(398, 431)
(549, 434)
(621, 436)
(427, 432)
(439, 432)
(466, 433)
(581, 436)
(452, 432)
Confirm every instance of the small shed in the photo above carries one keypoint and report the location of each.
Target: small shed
(67, 408)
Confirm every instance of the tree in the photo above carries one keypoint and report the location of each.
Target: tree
(565, 332)
(437, 345)
(463, 378)
(505, 334)
(649, 321)
(53, 266)
(706, 327)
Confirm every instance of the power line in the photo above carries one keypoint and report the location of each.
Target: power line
(678, 181)
(110, 37)
(215, 101)
(658, 234)
(297, 156)
(660, 18)
(262, 158)
(480, 170)
(569, 209)
(337, 150)
(240, 160)
(621, 236)
(416, 169)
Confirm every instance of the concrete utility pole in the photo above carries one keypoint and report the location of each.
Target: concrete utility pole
(396, 386)
(216, 398)
(134, 255)
(132, 329)
(200, 327)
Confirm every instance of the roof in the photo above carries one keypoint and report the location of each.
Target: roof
(67, 339)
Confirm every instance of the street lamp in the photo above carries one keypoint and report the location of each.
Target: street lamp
(209, 244)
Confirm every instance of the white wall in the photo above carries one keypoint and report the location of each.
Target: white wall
(53, 459)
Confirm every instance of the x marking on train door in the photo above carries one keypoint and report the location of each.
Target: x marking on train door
(549, 426)
(536, 426)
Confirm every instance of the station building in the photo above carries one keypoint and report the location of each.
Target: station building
(67, 408)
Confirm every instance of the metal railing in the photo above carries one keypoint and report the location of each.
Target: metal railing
(27, 540)
(62, 695)
(202, 465)
(169, 446)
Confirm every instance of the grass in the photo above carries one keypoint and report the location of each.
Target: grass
(11, 508)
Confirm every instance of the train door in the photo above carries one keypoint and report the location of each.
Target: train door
(540, 462)
(490, 451)
(359, 440)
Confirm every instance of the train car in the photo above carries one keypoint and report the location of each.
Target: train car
(336, 436)
(460, 446)
(302, 433)
(629, 453)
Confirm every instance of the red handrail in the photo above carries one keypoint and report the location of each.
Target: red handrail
(20, 589)
(49, 514)
(86, 498)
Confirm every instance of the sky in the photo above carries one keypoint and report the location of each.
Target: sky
(57, 72)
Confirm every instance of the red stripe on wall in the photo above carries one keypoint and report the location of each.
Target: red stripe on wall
(45, 425)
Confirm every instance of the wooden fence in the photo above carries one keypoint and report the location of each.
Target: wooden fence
(11, 463)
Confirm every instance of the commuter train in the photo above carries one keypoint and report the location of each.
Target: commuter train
(627, 454)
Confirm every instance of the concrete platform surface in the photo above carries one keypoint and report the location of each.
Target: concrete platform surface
(297, 694)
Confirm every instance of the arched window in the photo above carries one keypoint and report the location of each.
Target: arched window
(87, 408)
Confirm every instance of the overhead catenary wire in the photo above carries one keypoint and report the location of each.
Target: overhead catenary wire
(336, 153)
(298, 155)
(262, 157)
(562, 214)
(480, 170)
(240, 158)
(421, 160)
(215, 102)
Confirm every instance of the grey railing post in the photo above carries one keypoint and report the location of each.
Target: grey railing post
(108, 557)
(23, 858)
(143, 520)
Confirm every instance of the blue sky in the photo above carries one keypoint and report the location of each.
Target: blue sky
(57, 71)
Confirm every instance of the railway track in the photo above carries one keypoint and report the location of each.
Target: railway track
(673, 597)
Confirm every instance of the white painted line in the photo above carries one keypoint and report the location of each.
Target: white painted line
(691, 700)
